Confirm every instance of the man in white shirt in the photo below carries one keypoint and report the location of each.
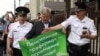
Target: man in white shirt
(82, 30)
(18, 30)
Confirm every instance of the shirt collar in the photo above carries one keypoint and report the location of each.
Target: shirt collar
(23, 25)
(84, 20)
(47, 22)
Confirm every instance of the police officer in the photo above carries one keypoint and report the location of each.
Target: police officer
(18, 30)
(82, 30)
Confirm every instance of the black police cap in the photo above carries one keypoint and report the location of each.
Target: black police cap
(22, 10)
(81, 6)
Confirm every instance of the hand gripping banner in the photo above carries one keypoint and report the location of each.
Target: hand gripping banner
(49, 44)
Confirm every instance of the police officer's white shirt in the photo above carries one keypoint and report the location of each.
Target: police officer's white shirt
(77, 28)
(17, 32)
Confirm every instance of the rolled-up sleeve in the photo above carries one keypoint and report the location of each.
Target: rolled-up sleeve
(67, 22)
(10, 33)
(92, 29)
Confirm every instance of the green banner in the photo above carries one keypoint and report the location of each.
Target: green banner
(49, 44)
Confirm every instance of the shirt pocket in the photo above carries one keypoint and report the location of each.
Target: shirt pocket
(16, 34)
(74, 27)
(15, 31)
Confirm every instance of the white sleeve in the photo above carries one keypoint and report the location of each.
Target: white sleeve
(92, 29)
(67, 22)
(10, 33)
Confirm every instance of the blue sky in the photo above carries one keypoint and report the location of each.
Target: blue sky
(8, 5)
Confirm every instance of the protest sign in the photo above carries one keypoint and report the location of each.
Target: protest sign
(49, 44)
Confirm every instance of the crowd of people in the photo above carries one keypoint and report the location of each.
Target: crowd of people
(5, 21)
(16, 28)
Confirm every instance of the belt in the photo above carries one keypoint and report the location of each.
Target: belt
(77, 45)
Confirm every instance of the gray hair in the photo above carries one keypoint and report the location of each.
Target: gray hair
(46, 11)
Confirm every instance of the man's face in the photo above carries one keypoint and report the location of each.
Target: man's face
(11, 19)
(22, 18)
(81, 13)
(6, 17)
(45, 18)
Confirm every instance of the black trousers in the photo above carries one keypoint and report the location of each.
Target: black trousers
(5, 42)
(17, 52)
(75, 50)
(1, 44)
(1, 49)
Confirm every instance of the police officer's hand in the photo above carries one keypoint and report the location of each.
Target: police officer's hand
(85, 35)
(9, 50)
(45, 31)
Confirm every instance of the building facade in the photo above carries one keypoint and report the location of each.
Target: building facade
(36, 5)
